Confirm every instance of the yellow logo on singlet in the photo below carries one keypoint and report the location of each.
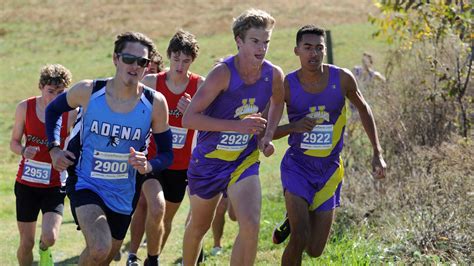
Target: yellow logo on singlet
(248, 107)
(320, 115)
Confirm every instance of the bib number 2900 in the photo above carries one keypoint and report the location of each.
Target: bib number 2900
(108, 165)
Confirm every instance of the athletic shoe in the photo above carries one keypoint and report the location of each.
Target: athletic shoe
(215, 251)
(46, 259)
(132, 260)
(282, 231)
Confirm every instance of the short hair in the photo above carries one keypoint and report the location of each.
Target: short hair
(309, 29)
(183, 42)
(252, 18)
(123, 38)
(55, 75)
(158, 60)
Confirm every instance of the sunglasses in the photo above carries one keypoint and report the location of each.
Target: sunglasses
(130, 59)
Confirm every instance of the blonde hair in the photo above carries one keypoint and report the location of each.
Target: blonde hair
(56, 75)
(252, 18)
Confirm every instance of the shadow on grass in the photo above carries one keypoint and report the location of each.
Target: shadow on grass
(70, 261)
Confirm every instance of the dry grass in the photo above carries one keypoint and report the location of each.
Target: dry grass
(424, 208)
(162, 18)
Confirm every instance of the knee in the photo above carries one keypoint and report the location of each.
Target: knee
(314, 252)
(199, 227)
(99, 252)
(156, 209)
(49, 238)
(27, 243)
(250, 224)
(299, 237)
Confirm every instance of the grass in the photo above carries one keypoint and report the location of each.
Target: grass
(33, 33)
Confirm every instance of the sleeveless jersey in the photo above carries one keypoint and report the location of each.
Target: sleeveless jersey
(238, 101)
(39, 171)
(327, 106)
(105, 140)
(182, 137)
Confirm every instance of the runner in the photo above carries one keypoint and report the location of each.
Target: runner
(118, 114)
(227, 112)
(38, 185)
(312, 169)
(178, 85)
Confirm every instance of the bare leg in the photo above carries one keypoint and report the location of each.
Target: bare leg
(116, 244)
(27, 242)
(202, 214)
(50, 229)
(320, 228)
(298, 216)
(170, 212)
(246, 200)
(137, 226)
(96, 231)
(219, 221)
(155, 212)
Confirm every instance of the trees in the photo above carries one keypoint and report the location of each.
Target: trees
(436, 36)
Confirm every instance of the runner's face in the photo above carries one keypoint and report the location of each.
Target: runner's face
(133, 73)
(255, 45)
(180, 63)
(311, 51)
(152, 68)
(49, 92)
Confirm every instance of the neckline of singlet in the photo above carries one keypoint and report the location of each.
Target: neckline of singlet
(163, 76)
(231, 64)
(330, 81)
(122, 113)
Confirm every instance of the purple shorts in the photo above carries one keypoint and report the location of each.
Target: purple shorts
(209, 177)
(317, 180)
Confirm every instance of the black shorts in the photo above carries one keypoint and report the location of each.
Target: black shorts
(118, 223)
(30, 200)
(174, 184)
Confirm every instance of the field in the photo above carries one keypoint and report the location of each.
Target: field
(80, 36)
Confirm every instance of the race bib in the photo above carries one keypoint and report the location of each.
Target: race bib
(36, 172)
(320, 138)
(108, 165)
(233, 141)
(179, 137)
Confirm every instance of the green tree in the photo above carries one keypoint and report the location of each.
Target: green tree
(438, 34)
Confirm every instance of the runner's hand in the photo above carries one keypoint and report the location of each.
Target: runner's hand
(266, 146)
(184, 102)
(30, 151)
(252, 124)
(138, 161)
(305, 124)
(61, 159)
(379, 166)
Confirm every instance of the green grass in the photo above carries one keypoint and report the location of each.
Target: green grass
(25, 47)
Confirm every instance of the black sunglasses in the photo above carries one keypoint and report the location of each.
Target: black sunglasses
(130, 59)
